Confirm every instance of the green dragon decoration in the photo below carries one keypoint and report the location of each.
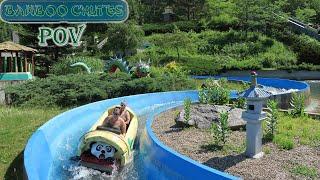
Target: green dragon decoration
(140, 70)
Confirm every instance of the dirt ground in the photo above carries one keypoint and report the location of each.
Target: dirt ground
(197, 144)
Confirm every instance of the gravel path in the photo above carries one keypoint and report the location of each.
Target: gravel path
(196, 144)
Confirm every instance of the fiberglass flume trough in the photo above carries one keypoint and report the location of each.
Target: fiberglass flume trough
(50, 148)
(53, 144)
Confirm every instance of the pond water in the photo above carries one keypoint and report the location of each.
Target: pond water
(315, 96)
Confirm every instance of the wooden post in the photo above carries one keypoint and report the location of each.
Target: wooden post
(21, 64)
(5, 64)
(16, 63)
(11, 62)
(33, 64)
(25, 64)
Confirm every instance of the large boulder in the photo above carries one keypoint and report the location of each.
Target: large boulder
(203, 115)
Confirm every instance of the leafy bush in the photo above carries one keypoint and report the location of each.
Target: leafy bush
(187, 109)
(272, 120)
(307, 49)
(298, 105)
(213, 93)
(63, 66)
(74, 90)
(220, 130)
(277, 56)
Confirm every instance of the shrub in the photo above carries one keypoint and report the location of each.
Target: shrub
(307, 49)
(213, 93)
(220, 130)
(272, 120)
(74, 90)
(187, 109)
(63, 66)
(218, 95)
(297, 104)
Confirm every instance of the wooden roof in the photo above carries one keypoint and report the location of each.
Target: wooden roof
(11, 46)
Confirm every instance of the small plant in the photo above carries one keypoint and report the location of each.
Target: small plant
(187, 109)
(272, 119)
(220, 131)
(203, 98)
(267, 150)
(306, 171)
(240, 103)
(297, 104)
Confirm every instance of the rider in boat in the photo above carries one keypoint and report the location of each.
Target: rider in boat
(115, 121)
(125, 115)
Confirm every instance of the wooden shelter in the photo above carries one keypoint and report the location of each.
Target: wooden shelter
(16, 58)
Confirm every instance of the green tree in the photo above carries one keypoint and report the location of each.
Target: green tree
(122, 37)
(178, 39)
(256, 15)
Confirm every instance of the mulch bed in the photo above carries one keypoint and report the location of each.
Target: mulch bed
(197, 144)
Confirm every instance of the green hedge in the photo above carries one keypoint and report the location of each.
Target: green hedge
(75, 90)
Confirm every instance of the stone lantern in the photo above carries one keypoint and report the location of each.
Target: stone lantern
(254, 116)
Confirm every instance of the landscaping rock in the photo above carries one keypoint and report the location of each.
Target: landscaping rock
(203, 115)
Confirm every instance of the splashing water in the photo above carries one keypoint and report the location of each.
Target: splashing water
(64, 168)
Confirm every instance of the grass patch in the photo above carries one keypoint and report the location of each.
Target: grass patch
(297, 131)
(305, 171)
(16, 127)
